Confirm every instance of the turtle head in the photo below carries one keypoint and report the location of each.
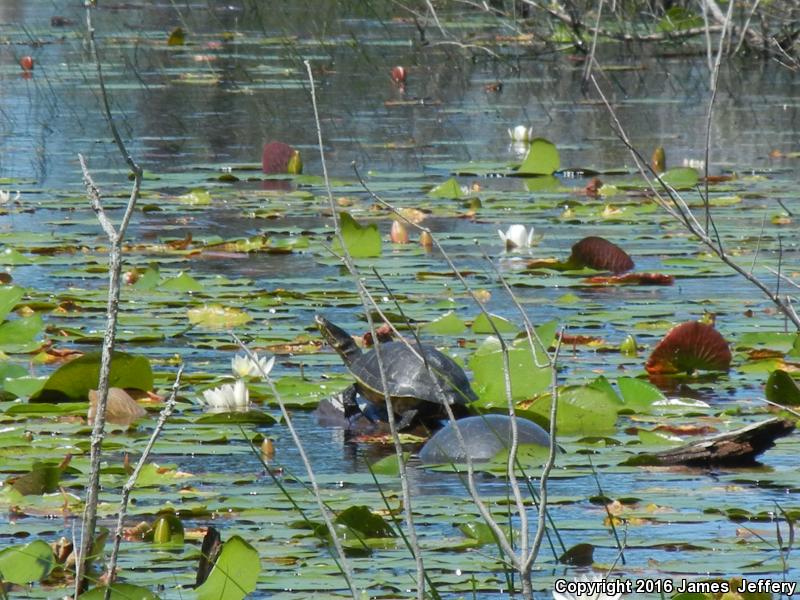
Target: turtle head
(338, 339)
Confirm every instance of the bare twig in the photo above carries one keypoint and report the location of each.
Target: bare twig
(625, 37)
(323, 509)
(677, 208)
(551, 460)
(714, 80)
(590, 60)
(523, 562)
(166, 412)
(432, 11)
(115, 237)
(348, 262)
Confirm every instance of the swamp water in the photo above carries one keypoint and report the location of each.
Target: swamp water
(193, 113)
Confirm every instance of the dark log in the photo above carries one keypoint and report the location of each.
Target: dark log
(733, 449)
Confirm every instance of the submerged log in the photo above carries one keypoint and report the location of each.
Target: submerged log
(733, 449)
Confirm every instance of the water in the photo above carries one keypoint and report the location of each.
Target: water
(173, 124)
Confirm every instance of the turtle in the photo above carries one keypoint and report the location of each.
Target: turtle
(419, 377)
(484, 436)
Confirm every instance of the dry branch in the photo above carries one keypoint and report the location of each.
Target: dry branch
(166, 412)
(115, 237)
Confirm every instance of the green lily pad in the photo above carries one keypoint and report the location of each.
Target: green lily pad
(527, 379)
(196, 198)
(388, 465)
(367, 523)
(782, 389)
(449, 189)
(22, 565)
(216, 316)
(583, 410)
(681, 178)
(9, 297)
(19, 335)
(254, 417)
(362, 241)
(637, 393)
(483, 325)
(119, 591)
(448, 324)
(73, 380)
(183, 282)
(542, 158)
(235, 573)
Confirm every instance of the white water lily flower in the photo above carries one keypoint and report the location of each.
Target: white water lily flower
(694, 163)
(517, 236)
(520, 133)
(596, 588)
(227, 397)
(5, 197)
(681, 403)
(243, 366)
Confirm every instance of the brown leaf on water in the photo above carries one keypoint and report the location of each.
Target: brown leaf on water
(180, 244)
(687, 429)
(53, 355)
(579, 340)
(632, 279)
(121, 408)
(763, 354)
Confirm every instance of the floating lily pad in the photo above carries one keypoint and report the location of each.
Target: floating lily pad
(9, 297)
(482, 325)
(73, 380)
(448, 324)
(782, 389)
(542, 158)
(278, 157)
(235, 573)
(362, 241)
(183, 282)
(598, 253)
(527, 379)
(26, 564)
(119, 591)
(638, 394)
(449, 189)
(215, 316)
(689, 347)
(681, 178)
(367, 523)
(254, 417)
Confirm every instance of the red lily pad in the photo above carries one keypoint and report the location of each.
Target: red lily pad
(632, 279)
(690, 347)
(598, 253)
(275, 158)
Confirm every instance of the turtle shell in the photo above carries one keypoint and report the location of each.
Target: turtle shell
(408, 378)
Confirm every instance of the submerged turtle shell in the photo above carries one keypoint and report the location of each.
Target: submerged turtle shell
(484, 436)
(408, 377)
